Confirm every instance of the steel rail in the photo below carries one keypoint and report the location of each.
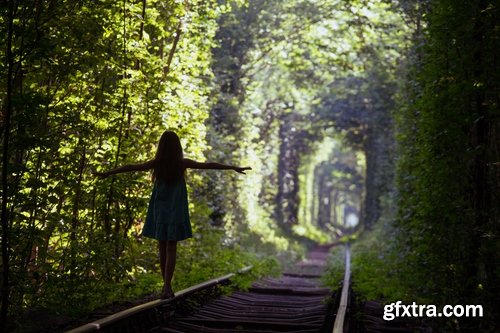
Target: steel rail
(119, 316)
(338, 326)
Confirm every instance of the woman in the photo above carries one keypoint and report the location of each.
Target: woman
(167, 219)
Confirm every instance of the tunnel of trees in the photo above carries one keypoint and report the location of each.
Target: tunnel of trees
(373, 121)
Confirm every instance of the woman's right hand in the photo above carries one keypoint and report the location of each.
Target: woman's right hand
(241, 169)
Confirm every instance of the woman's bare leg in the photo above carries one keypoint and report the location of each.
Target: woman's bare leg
(168, 258)
(171, 260)
(162, 249)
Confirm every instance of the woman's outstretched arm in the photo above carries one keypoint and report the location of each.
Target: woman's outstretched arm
(190, 164)
(127, 168)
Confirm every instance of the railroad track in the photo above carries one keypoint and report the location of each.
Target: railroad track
(295, 303)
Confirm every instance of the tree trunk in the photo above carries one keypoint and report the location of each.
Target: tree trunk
(74, 220)
(5, 171)
(174, 47)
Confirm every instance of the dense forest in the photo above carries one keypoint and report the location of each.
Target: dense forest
(370, 121)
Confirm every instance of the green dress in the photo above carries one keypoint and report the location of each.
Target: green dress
(168, 212)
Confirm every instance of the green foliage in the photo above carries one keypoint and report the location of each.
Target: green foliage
(375, 275)
(335, 269)
(96, 84)
(447, 230)
(331, 184)
(439, 248)
(278, 67)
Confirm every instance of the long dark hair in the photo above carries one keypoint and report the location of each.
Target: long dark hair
(168, 166)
